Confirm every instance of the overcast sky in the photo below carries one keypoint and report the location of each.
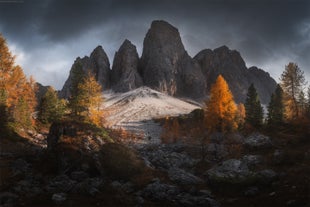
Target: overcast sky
(48, 35)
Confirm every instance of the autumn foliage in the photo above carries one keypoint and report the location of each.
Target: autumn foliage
(17, 93)
(221, 110)
(86, 103)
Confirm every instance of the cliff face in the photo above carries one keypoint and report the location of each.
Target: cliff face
(231, 66)
(97, 63)
(124, 75)
(165, 65)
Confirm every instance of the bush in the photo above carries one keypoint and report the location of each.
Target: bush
(120, 162)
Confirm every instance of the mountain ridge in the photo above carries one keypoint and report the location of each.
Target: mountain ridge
(166, 67)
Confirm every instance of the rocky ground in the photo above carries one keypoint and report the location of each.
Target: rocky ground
(258, 171)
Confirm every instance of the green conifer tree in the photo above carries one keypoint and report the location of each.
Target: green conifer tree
(51, 107)
(253, 109)
(77, 77)
(275, 115)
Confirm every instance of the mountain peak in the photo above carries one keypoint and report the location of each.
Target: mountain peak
(124, 74)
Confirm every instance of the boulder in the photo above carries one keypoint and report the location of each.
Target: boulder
(8, 199)
(257, 140)
(168, 156)
(252, 160)
(89, 186)
(79, 175)
(61, 183)
(236, 173)
(182, 177)
(59, 198)
(231, 171)
(160, 191)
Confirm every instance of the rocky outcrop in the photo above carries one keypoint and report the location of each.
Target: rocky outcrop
(257, 140)
(232, 67)
(234, 172)
(264, 84)
(98, 64)
(125, 76)
(165, 65)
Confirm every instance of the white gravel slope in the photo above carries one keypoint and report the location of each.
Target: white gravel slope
(136, 109)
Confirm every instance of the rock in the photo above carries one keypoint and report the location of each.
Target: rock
(252, 191)
(218, 151)
(124, 75)
(116, 184)
(186, 199)
(59, 198)
(28, 188)
(20, 166)
(257, 140)
(252, 160)
(165, 65)
(291, 203)
(160, 191)
(267, 175)
(231, 171)
(8, 198)
(98, 64)
(89, 186)
(40, 92)
(278, 156)
(79, 175)
(236, 172)
(128, 187)
(231, 66)
(206, 193)
(139, 200)
(165, 157)
(182, 177)
(265, 85)
(61, 183)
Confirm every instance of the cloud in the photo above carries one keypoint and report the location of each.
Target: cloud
(50, 34)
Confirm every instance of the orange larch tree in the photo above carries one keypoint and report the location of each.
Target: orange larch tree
(221, 110)
(17, 92)
(89, 100)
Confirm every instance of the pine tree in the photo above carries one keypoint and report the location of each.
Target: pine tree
(292, 83)
(275, 115)
(253, 109)
(51, 107)
(221, 109)
(77, 77)
(301, 102)
(308, 103)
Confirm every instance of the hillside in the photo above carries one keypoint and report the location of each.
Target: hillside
(136, 109)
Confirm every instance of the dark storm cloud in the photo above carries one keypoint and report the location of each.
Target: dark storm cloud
(265, 32)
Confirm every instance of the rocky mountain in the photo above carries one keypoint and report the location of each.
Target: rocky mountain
(124, 74)
(41, 90)
(97, 63)
(165, 65)
(232, 67)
